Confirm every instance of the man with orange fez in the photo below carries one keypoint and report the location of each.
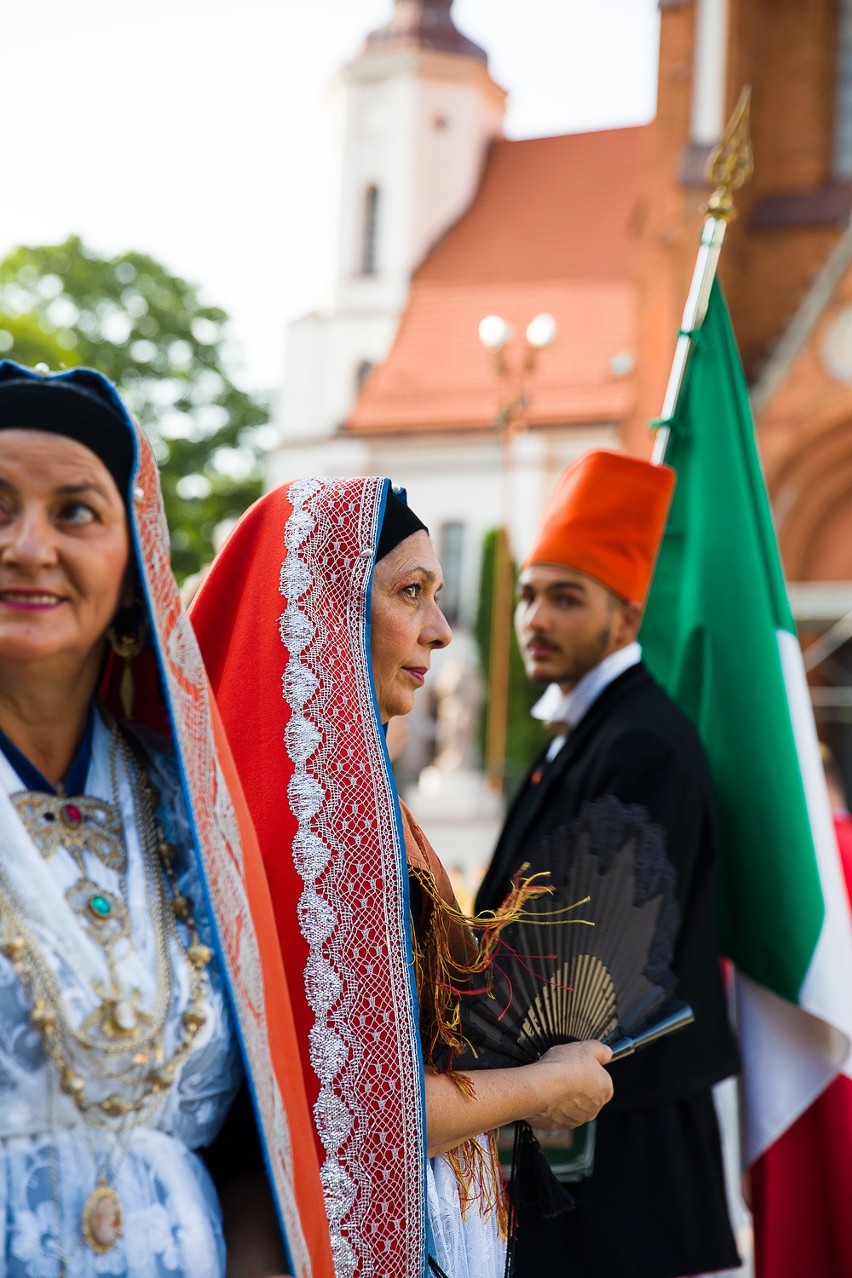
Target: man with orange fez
(654, 1204)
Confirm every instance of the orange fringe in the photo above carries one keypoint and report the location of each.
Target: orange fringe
(477, 1170)
(452, 950)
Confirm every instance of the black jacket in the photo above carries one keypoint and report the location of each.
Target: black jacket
(636, 744)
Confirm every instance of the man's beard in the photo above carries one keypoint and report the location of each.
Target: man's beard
(580, 661)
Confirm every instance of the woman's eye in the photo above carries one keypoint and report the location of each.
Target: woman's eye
(412, 590)
(77, 513)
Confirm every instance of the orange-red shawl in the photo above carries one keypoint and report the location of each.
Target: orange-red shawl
(283, 622)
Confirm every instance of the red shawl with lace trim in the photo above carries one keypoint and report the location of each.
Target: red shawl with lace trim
(283, 622)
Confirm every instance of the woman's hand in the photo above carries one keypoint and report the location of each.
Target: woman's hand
(573, 1083)
(567, 1087)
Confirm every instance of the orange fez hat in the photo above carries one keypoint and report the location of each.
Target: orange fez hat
(606, 518)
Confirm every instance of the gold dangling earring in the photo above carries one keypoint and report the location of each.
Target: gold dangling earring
(127, 648)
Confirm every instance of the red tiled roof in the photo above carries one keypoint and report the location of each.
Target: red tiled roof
(550, 229)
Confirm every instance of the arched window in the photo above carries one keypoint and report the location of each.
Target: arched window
(362, 372)
(451, 539)
(370, 240)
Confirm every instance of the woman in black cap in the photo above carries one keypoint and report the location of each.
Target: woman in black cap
(137, 950)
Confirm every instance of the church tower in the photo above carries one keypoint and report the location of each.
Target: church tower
(415, 113)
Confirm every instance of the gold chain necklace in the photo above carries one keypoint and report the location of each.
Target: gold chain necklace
(118, 1022)
(120, 1043)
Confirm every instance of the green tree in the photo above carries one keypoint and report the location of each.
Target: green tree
(525, 737)
(148, 331)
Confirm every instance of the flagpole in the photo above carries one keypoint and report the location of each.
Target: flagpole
(730, 166)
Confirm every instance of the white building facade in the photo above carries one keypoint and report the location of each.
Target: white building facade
(415, 113)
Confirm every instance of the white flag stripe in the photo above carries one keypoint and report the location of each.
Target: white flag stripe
(789, 1059)
(792, 1052)
(827, 987)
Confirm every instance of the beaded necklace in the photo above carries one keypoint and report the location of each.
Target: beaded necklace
(114, 1064)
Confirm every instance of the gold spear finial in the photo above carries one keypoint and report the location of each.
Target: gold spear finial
(731, 163)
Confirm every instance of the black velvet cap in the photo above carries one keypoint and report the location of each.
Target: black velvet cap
(68, 408)
(399, 522)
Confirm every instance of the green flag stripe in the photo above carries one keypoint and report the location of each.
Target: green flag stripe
(709, 635)
(722, 339)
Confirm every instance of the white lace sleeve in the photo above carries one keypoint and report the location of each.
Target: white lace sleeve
(464, 1247)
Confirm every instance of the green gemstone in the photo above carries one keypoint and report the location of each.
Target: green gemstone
(100, 906)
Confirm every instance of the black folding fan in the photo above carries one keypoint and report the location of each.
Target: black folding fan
(592, 957)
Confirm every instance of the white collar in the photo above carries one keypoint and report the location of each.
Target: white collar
(556, 706)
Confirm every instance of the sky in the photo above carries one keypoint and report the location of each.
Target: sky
(198, 130)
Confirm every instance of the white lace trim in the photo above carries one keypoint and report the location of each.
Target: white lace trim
(364, 1045)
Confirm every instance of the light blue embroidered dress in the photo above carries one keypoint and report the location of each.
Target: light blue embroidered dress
(50, 1161)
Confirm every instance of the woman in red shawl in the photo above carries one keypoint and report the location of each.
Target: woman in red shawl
(317, 623)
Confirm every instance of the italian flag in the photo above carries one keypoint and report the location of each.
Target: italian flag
(719, 635)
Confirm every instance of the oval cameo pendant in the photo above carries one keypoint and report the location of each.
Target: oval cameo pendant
(102, 1218)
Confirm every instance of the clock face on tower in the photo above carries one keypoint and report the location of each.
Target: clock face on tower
(836, 349)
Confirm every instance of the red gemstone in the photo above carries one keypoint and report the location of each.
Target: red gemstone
(71, 814)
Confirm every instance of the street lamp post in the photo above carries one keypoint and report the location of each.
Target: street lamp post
(510, 419)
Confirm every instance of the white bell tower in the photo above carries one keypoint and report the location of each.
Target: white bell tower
(415, 113)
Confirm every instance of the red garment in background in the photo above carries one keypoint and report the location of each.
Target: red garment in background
(843, 830)
(802, 1187)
